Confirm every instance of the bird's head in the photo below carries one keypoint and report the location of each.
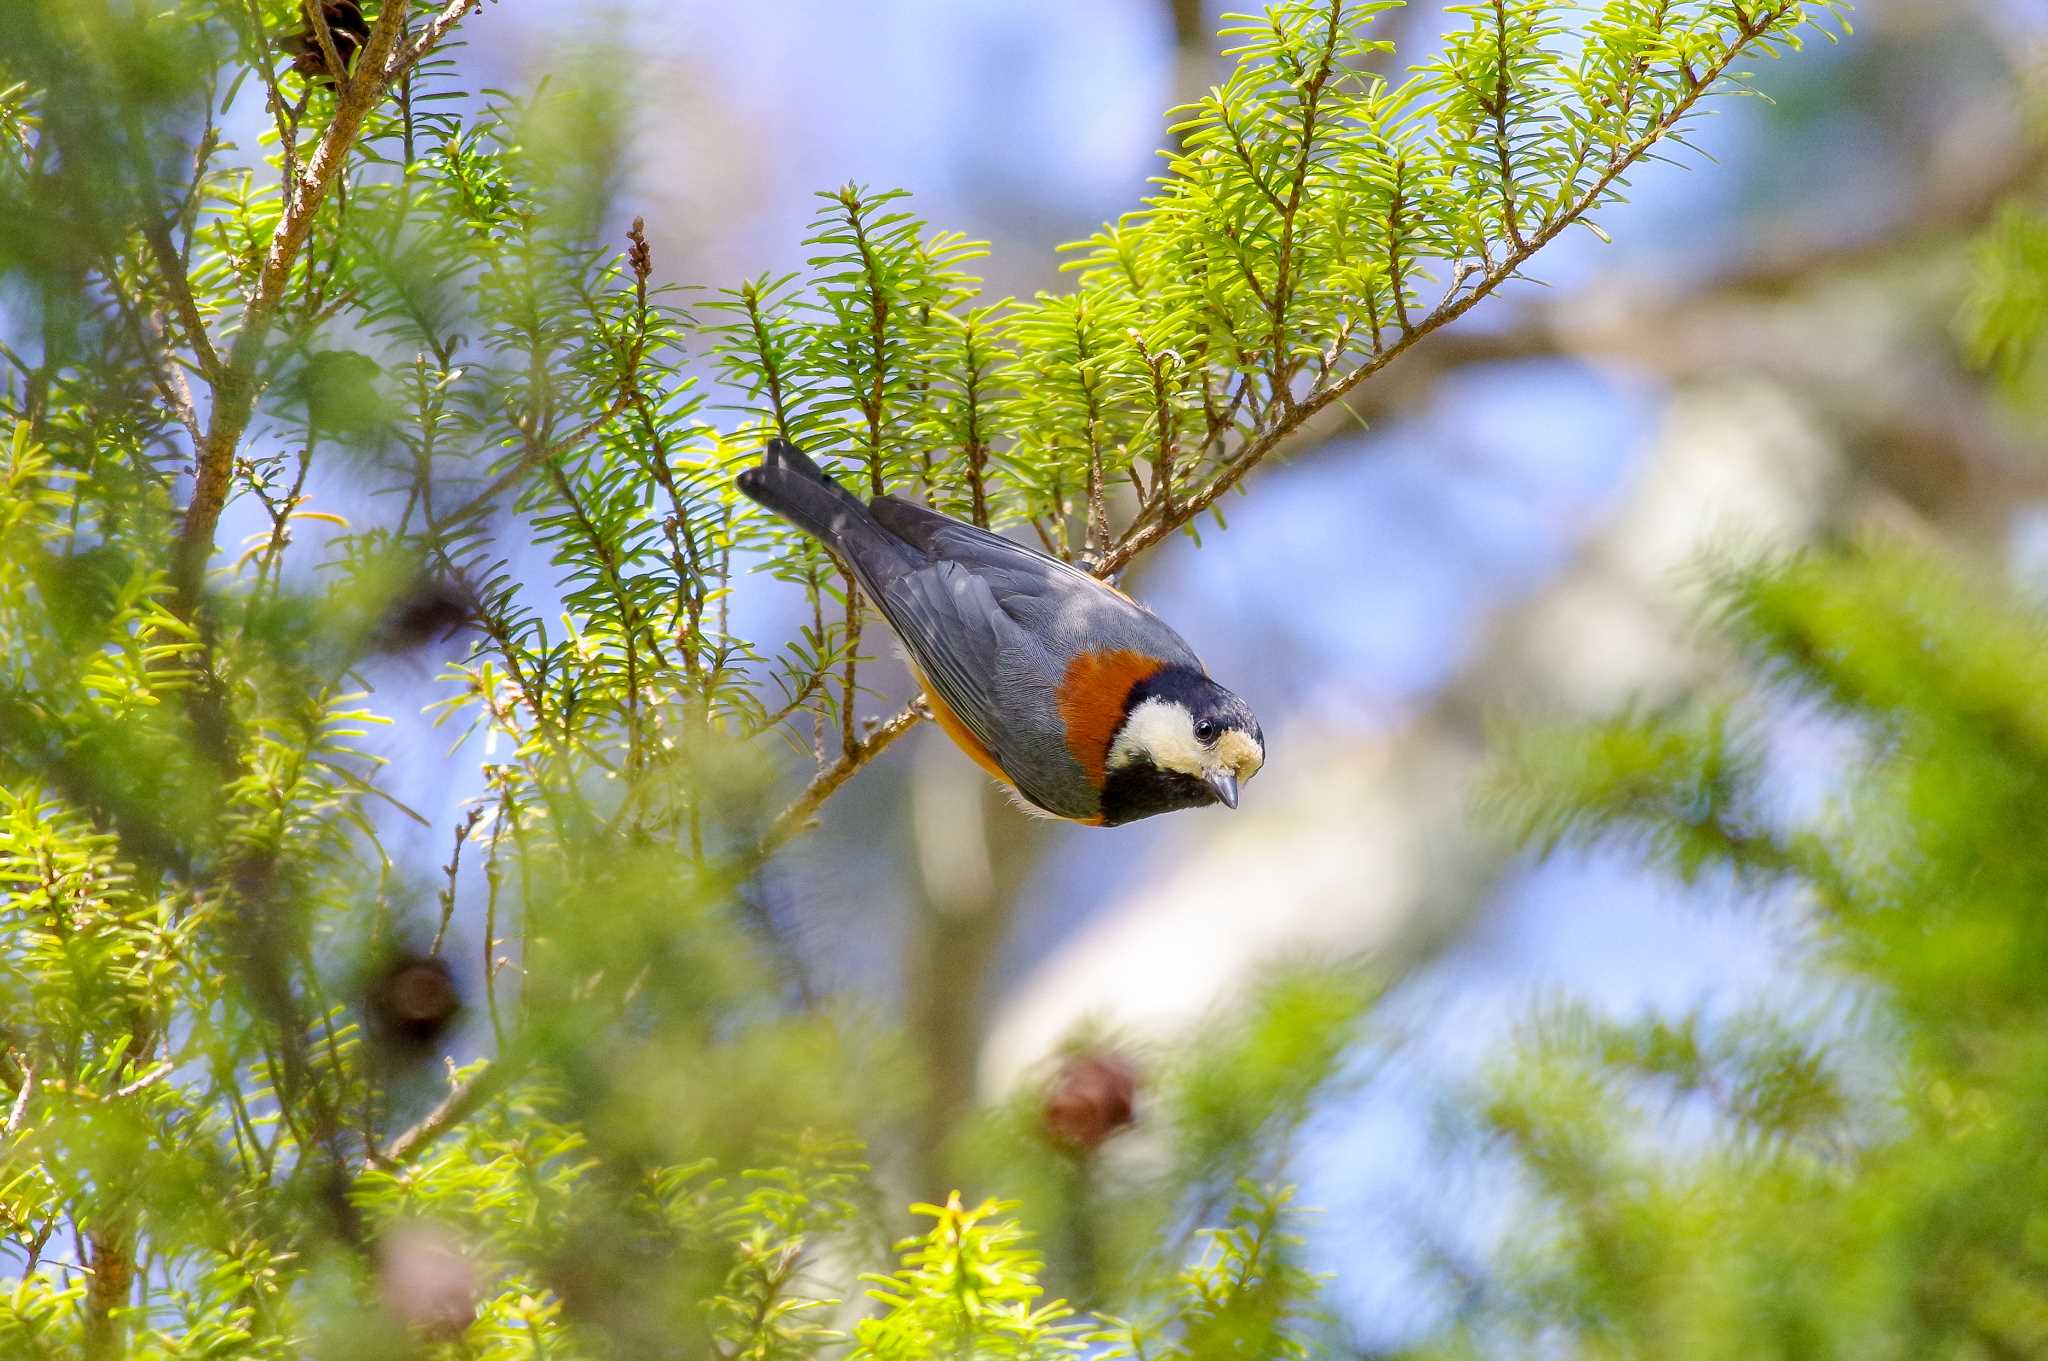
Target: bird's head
(1185, 741)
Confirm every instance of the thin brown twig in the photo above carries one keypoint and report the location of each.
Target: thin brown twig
(849, 681)
(159, 352)
(826, 782)
(148, 1079)
(545, 455)
(1290, 212)
(323, 38)
(20, 1108)
(453, 870)
(429, 38)
(282, 113)
(1166, 429)
(462, 1101)
(775, 718)
(1510, 213)
(179, 286)
(493, 882)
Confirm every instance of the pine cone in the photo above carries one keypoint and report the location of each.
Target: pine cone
(345, 25)
(428, 611)
(411, 1004)
(1092, 1097)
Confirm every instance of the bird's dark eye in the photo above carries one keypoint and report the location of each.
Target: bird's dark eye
(1205, 730)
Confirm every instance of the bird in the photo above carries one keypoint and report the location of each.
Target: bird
(1079, 699)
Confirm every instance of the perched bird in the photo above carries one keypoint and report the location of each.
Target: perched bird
(1059, 685)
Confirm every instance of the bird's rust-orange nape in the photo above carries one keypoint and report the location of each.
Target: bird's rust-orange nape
(1091, 699)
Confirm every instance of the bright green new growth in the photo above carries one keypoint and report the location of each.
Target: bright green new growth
(968, 1288)
(280, 413)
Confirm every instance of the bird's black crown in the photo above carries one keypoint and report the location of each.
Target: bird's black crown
(1214, 709)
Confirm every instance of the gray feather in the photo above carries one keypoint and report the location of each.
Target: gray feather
(790, 484)
(993, 676)
(1053, 600)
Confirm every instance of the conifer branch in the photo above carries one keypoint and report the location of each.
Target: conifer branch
(1147, 534)
(315, 12)
(430, 37)
(1277, 268)
(234, 382)
(1503, 139)
(463, 1100)
(1290, 211)
(173, 273)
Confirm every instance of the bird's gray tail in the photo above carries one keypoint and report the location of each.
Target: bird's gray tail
(787, 482)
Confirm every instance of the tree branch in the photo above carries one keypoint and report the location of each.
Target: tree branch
(429, 38)
(161, 247)
(1638, 321)
(826, 782)
(1510, 215)
(1147, 533)
(21, 1096)
(537, 456)
(462, 1101)
(1304, 162)
(234, 383)
(469, 1096)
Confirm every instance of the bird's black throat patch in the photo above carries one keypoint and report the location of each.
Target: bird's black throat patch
(1139, 789)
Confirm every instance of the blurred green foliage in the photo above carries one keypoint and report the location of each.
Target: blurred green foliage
(2005, 318)
(1865, 1176)
(385, 347)
(1863, 1172)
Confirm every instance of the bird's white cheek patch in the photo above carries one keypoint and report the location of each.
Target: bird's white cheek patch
(1163, 731)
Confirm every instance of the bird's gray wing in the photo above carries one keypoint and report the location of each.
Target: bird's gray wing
(942, 536)
(992, 675)
(1069, 610)
(954, 630)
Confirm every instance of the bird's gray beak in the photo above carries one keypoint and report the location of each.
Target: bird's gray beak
(1224, 782)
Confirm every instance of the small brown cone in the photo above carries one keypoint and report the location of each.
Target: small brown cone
(1092, 1097)
(425, 1282)
(345, 25)
(411, 1003)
